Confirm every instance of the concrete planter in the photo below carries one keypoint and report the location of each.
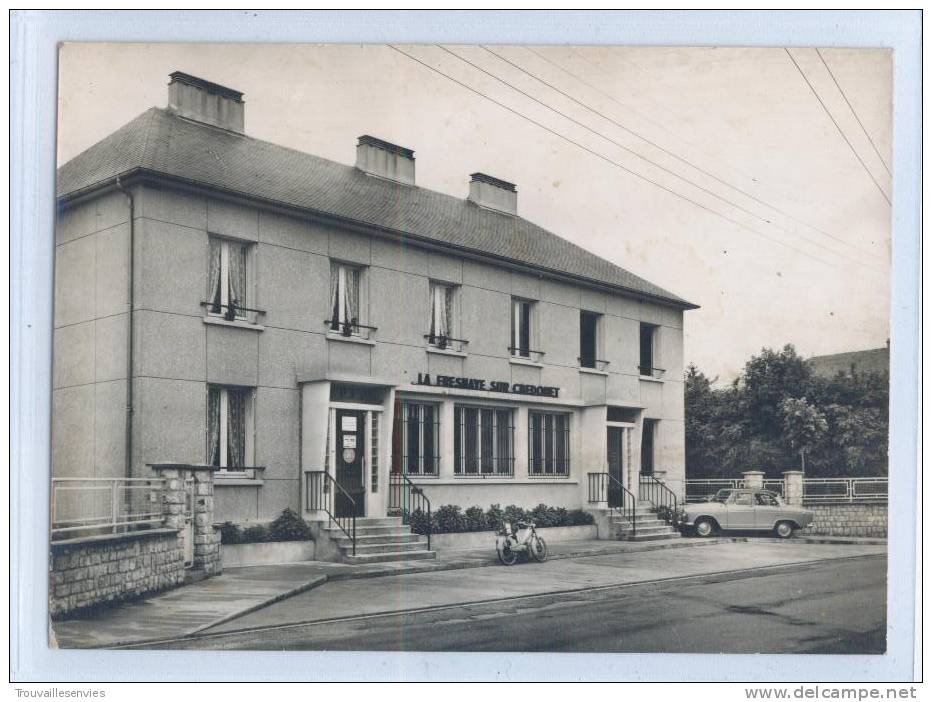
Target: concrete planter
(271, 553)
(486, 539)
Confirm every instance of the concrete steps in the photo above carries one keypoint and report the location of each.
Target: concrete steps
(378, 540)
(648, 526)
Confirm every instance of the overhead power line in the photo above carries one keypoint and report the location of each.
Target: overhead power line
(644, 158)
(851, 107)
(611, 161)
(645, 139)
(837, 126)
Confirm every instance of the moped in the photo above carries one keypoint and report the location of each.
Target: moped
(523, 538)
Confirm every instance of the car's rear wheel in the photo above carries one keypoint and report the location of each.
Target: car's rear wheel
(784, 530)
(705, 527)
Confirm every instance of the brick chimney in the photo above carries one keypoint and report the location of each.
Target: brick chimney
(203, 101)
(385, 160)
(493, 194)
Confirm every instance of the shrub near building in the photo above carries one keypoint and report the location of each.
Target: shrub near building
(451, 519)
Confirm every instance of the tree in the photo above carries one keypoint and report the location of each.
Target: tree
(767, 380)
(804, 426)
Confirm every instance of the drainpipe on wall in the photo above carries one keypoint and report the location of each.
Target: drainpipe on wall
(129, 335)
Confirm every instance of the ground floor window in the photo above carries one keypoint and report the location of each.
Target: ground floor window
(417, 439)
(228, 412)
(548, 444)
(647, 446)
(483, 442)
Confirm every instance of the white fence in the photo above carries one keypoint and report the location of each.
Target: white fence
(815, 490)
(87, 506)
(849, 490)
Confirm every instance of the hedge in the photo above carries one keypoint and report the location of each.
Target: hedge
(287, 526)
(451, 519)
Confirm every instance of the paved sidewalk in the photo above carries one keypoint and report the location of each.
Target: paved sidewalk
(241, 591)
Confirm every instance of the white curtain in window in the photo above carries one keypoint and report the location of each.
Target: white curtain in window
(213, 427)
(334, 295)
(238, 274)
(440, 316)
(351, 281)
(236, 429)
(213, 275)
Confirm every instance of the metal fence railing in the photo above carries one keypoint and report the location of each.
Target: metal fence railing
(701, 490)
(815, 490)
(853, 490)
(89, 506)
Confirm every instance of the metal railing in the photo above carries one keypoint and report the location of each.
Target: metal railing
(592, 363)
(702, 490)
(408, 500)
(659, 495)
(651, 372)
(443, 342)
(320, 492)
(603, 487)
(776, 485)
(89, 506)
(533, 355)
(849, 490)
(352, 327)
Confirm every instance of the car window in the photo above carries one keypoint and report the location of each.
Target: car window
(722, 496)
(744, 498)
(766, 499)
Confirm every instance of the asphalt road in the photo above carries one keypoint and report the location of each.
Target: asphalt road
(821, 607)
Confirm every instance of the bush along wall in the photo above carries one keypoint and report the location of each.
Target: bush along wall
(287, 526)
(451, 519)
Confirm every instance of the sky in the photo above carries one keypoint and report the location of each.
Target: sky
(753, 182)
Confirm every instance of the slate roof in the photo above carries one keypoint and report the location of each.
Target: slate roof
(160, 142)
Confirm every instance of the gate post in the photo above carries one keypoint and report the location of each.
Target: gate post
(793, 492)
(207, 559)
(753, 479)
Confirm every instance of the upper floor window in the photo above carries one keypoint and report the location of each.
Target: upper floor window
(229, 417)
(344, 299)
(648, 356)
(521, 312)
(227, 278)
(548, 444)
(441, 315)
(483, 442)
(589, 340)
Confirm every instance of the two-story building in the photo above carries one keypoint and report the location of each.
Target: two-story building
(228, 301)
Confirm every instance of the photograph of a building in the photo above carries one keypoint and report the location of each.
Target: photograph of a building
(335, 348)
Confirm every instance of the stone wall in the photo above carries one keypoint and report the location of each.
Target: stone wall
(95, 570)
(848, 520)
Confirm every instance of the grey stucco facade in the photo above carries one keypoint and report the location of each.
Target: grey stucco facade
(287, 358)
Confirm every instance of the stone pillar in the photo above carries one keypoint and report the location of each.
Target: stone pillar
(206, 538)
(793, 490)
(207, 553)
(754, 479)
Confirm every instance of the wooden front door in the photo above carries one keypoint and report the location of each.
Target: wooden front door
(350, 464)
(616, 466)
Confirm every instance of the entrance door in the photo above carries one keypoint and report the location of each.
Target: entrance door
(616, 466)
(350, 449)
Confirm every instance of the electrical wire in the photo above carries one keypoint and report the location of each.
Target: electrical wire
(653, 163)
(851, 107)
(686, 161)
(610, 161)
(838, 127)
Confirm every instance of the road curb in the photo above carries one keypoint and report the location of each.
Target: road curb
(716, 576)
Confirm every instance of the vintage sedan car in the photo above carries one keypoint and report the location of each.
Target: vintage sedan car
(743, 509)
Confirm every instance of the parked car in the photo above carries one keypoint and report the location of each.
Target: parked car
(743, 509)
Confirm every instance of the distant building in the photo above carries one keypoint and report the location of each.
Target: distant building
(851, 362)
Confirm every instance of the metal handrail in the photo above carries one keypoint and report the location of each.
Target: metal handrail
(240, 308)
(346, 328)
(650, 371)
(441, 340)
(658, 494)
(529, 351)
(597, 363)
(403, 495)
(322, 498)
(599, 484)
